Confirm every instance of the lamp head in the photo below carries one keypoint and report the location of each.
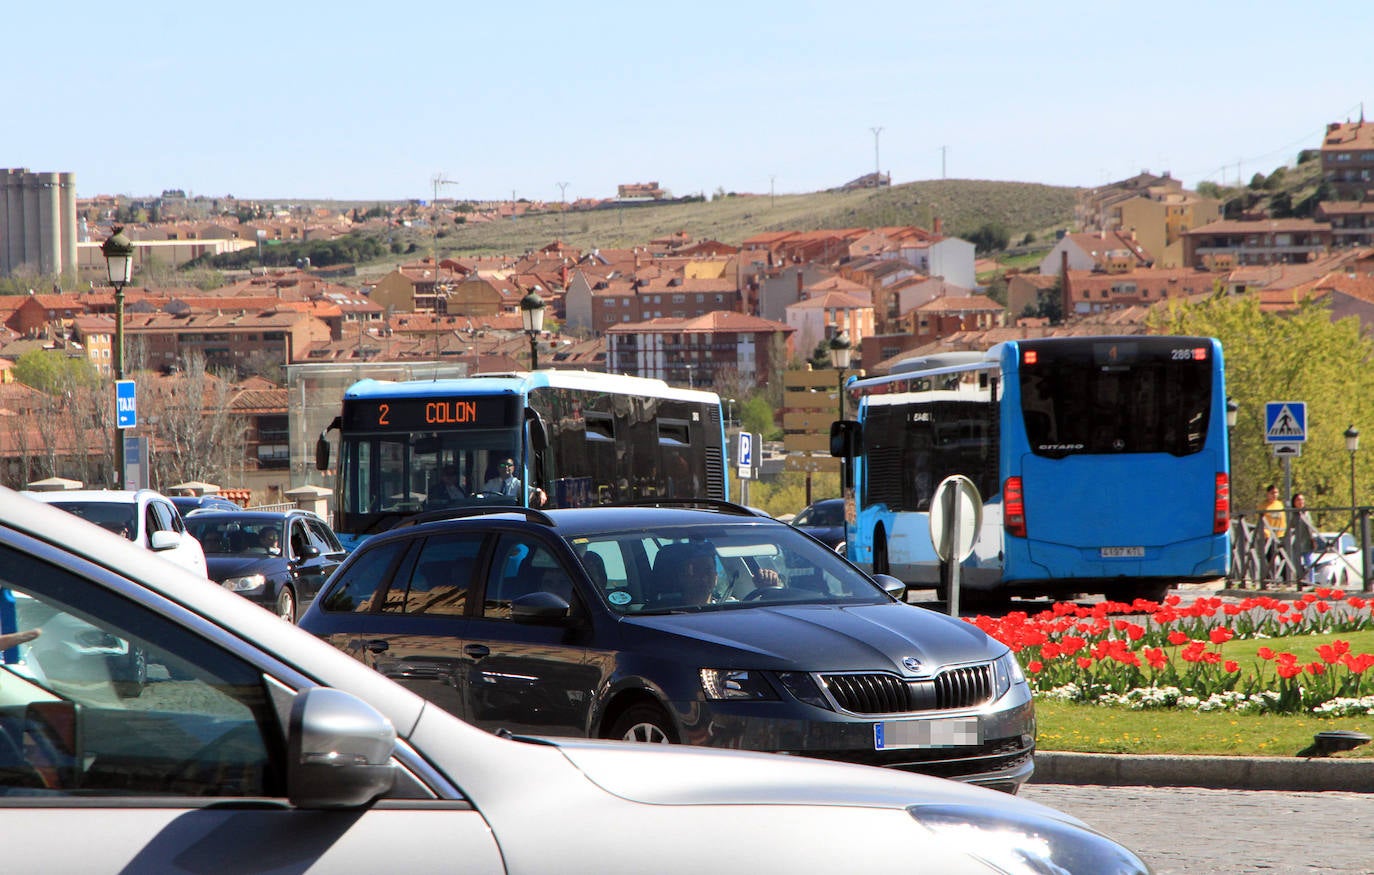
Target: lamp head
(532, 313)
(119, 257)
(840, 350)
(1352, 438)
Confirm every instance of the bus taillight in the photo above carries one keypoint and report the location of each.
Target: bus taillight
(1014, 507)
(1221, 522)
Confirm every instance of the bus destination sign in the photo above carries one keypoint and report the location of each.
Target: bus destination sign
(430, 414)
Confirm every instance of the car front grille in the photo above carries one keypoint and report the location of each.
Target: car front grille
(966, 687)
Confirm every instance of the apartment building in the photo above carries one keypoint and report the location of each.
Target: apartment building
(1348, 158)
(693, 351)
(1231, 242)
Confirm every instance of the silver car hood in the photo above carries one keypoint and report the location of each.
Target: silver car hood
(679, 775)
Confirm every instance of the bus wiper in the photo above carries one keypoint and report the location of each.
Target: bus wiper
(376, 525)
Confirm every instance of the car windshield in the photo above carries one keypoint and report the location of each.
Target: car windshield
(821, 515)
(718, 567)
(118, 517)
(236, 537)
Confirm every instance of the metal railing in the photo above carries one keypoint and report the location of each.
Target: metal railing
(1266, 557)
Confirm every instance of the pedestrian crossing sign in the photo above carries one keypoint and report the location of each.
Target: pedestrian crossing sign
(1285, 422)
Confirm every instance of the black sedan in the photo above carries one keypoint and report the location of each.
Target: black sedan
(824, 521)
(708, 627)
(277, 559)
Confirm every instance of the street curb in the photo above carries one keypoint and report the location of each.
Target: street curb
(1290, 774)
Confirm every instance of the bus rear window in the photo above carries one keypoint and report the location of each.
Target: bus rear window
(1078, 401)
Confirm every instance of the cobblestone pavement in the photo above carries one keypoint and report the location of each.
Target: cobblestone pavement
(1186, 830)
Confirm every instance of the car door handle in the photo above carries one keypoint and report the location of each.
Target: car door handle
(376, 645)
(477, 651)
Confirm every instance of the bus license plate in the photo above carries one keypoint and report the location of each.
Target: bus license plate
(1123, 552)
(944, 732)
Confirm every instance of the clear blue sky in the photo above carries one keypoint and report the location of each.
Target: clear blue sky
(370, 101)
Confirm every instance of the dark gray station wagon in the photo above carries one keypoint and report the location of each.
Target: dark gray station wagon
(707, 626)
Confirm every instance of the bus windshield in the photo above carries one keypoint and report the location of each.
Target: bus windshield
(406, 473)
(1117, 397)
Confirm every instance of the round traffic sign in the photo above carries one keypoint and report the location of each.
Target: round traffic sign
(956, 514)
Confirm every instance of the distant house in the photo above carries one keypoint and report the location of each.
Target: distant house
(640, 191)
(1105, 251)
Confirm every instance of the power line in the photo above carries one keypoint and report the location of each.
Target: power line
(1306, 139)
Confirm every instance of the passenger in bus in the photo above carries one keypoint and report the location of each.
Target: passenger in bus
(448, 489)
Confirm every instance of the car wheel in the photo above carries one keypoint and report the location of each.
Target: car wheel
(286, 604)
(644, 723)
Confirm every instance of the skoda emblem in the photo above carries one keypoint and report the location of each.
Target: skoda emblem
(911, 664)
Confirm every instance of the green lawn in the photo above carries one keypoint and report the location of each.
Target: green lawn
(1065, 726)
(1099, 729)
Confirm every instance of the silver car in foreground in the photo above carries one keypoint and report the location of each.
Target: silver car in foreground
(253, 746)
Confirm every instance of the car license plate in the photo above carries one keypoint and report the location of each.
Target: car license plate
(943, 732)
(1122, 552)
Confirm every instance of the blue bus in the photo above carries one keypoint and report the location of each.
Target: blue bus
(1102, 463)
(575, 438)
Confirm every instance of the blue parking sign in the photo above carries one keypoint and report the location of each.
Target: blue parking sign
(126, 404)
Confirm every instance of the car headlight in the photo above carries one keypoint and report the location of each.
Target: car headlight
(1027, 843)
(727, 683)
(804, 688)
(247, 585)
(1005, 672)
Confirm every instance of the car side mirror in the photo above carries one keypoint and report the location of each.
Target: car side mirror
(165, 539)
(891, 585)
(338, 751)
(308, 552)
(539, 607)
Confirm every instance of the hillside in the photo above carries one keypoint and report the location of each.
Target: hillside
(962, 206)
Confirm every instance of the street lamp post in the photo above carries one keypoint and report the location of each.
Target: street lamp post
(532, 314)
(729, 412)
(1352, 443)
(119, 264)
(840, 351)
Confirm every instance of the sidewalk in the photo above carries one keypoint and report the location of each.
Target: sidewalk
(1220, 773)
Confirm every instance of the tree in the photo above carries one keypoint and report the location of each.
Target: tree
(194, 434)
(820, 356)
(54, 371)
(1302, 356)
(756, 415)
(989, 237)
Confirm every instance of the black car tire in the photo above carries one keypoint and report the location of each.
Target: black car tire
(286, 604)
(644, 723)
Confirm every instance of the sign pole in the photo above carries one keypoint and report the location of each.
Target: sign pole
(950, 500)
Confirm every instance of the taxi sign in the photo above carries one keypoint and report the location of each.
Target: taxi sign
(126, 404)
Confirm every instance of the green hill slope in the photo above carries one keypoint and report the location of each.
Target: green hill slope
(961, 205)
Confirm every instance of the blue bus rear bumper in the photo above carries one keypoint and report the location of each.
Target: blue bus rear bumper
(1198, 559)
